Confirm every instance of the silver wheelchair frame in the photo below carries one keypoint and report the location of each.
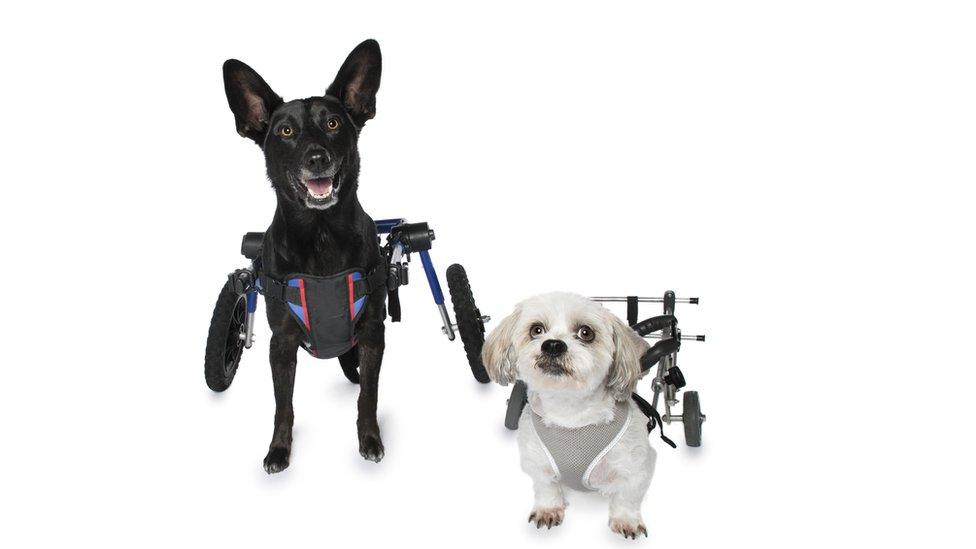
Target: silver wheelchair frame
(667, 381)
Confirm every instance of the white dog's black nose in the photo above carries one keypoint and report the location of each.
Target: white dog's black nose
(554, 347)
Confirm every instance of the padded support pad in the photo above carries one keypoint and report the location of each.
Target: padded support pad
(660, 350)
(251, 245)
(653, 324)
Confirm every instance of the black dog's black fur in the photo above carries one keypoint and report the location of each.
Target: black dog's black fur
(316, 139)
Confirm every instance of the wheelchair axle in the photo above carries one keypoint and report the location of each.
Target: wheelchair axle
(448, 327)
(668, 418)
(453, 325)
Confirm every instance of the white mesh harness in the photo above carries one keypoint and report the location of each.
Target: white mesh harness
(574, 452)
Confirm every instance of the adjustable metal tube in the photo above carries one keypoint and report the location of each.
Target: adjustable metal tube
(683, 337)
(619, 299)
(435, 289)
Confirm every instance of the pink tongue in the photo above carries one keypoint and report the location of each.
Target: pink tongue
(319, 187)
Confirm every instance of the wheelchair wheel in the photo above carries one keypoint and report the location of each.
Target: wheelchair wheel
(692, 418)
(468, 317)
(516, 403)
(224, 343)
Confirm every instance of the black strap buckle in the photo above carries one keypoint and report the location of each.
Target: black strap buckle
(374, 280)
(362, 287)
(273, 289)
(653, 418)
(242, 280)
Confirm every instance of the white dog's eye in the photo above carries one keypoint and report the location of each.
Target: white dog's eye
(537, 330)
(585, 333)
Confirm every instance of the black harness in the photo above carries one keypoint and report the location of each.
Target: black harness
(326, 307)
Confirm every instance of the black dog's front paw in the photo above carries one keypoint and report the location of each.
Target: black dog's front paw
(371, 447)
(276, 460)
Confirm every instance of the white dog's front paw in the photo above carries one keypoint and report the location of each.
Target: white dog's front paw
(628, 527)
(547, 516)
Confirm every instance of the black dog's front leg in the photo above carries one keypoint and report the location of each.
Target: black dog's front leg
(349, 361)
(284, 356)
(371, 345)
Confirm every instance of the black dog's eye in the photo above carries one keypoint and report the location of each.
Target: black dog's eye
(537, 330)
(333, 123)
(585, 333)
(285, 130)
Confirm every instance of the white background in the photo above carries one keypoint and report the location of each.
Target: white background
(805, 168)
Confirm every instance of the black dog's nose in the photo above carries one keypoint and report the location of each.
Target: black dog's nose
(554, 347)
(318, 161)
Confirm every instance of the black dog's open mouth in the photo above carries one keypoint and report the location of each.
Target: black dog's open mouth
(320, 188)
(320, 192)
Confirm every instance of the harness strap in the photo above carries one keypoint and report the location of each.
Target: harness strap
(631, 310)
(653, 418)
(393, 304)
(275, 289)
(375, 279)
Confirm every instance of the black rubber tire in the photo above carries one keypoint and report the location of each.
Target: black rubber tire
(516, 403)
(468, 318)
(224, 346)
(691, 418)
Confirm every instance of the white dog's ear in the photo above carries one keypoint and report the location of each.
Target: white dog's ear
(498, 354)
(628, 348)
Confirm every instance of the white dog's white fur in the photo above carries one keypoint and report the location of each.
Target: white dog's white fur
(596, 375)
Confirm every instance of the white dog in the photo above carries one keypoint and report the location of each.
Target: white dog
(581, 428)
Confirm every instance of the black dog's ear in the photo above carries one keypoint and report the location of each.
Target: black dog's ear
(358, 80)
(251, 99)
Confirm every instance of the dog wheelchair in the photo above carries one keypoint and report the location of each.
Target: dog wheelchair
(232, 324)
(666, 382)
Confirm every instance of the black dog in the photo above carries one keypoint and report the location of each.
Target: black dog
(319, 227)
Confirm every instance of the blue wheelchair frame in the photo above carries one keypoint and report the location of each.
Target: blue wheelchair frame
(398, 252)
(401, 252)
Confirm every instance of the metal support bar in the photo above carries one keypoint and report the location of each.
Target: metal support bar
(683, 337)
(658, 383)
(397, 255)
(435, 285)
(619, 299)
(252, 305)
(248, 334)
(435, 290)
(448, 327)
(384, 226)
